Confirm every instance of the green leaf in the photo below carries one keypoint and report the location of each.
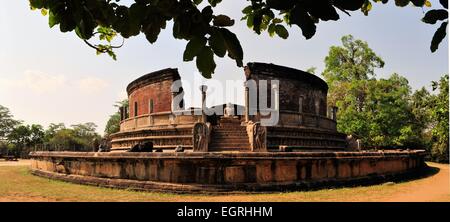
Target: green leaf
(52, 19)
(444, 3)
(214, 3)
(247, 10)
(300, 17)
(277, 20)
(432, 16)
(193, 48)
(233, 46)
(37, 3)
(401, 3)
(418, 3)
(197, 2)
(366, 7)
(271, 30)
(223, 21)
(217, 43)
(281, 4)
(44, 12)
(281, 31)
(351, 5)
(439, 35)
(205, 62)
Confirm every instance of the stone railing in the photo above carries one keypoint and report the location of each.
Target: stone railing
(297, 119)
(158, 119)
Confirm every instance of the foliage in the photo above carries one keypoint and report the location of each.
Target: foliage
(440, 114)
(81, 137)
(207, 33)
(113, 124)
(431, 17)
(23, 137)
(378, 111)
(7, 123)
(19, 139)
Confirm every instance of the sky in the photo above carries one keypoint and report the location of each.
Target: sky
(50, 77)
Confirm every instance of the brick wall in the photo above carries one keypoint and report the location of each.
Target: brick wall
(159, 92)
(293, 85)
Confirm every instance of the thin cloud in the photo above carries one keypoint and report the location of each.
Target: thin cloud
(91, 85)
(35, 81)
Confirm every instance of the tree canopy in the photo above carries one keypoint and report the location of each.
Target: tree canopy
(207, 33)
(440, 116)
(19, 139)
(384, 112)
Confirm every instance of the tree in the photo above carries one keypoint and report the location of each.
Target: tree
(7, 123)
(80, 137)
(24, 137)
(113, 124)
(207, 33)
(377, 110)
(349, 66)
(440, 114)
(52, 129)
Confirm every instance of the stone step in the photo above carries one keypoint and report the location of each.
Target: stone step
(228, 128)
(229, 140)
(229, 131)
(243, 133)
(229, 145)
(217, 149)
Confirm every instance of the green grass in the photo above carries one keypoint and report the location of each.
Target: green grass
(17, 184)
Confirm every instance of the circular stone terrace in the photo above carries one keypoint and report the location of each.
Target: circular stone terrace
(229, 152)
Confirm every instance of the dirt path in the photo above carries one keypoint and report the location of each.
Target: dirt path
(433, 188)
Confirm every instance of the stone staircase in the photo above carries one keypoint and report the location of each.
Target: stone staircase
(229, 135)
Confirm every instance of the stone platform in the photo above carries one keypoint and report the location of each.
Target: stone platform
(216, 172)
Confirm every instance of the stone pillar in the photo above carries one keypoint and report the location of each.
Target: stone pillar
(300, 110)
(174, 94)
(334, 110)
(247, 102)
(121, 113)
(317, 111)
(203, 89)
(317, 106)
(276, 97)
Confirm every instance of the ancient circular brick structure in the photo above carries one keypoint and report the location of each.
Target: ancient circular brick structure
(304, 122)
(232, 150)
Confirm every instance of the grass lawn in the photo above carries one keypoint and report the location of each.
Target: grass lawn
(17, 184)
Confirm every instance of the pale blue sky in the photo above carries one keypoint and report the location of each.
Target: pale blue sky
(47, 76)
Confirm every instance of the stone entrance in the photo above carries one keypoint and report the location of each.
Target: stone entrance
(229, 135)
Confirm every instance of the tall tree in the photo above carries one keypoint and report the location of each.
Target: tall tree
(377, 110)
(7, 123)
(440, 114)
(349, 66)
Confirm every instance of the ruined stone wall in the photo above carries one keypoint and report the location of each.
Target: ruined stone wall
(224, 171)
